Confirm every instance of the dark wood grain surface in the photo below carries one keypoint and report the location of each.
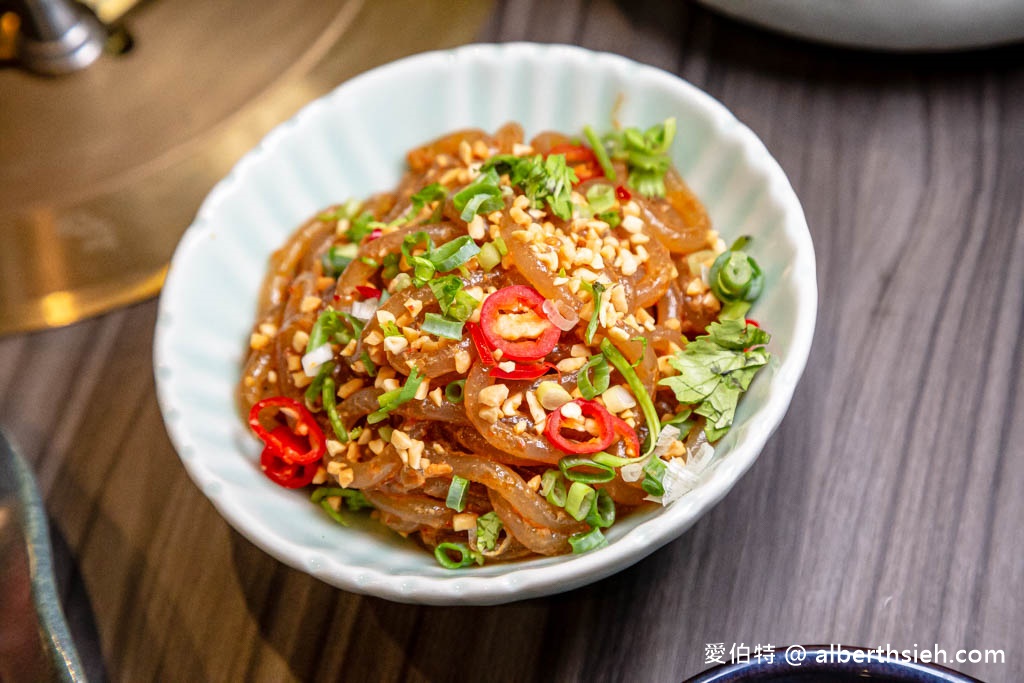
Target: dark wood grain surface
(887, 509)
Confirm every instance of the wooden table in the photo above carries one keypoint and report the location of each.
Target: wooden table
(887, 509)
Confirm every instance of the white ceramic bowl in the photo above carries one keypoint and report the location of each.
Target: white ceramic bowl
(904, 25)
(351, 143)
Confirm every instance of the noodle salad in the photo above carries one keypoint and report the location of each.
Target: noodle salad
(519, 344)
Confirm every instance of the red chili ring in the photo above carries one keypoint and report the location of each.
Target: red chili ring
(483, 351)
(522, 371)
(628, 435)
(593, 409)
(284, 442)
(522, 350)
(285, 474)
(581, 159)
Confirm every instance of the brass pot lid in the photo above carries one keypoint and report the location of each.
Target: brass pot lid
(101, 171)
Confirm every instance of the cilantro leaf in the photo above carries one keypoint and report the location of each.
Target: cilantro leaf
(542, 180)
(715, 369)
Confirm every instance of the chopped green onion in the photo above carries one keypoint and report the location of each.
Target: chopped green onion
(592, 387)
(368, 364)
(595, 289)
(455, 391)
(488, 257)
(337, 258)
(466, 556)
(463, 306)
(488, 527)
(585, 541)
(330, 401)
(578, 500)
(453, 254)
(602, 512)
(456, 499)
(325, 326)
(332, 513)
(652, 486)
(344, 211)
(422, 270)
(601, 197)
(354, 500)
(353, 322)
(313, 390)
(741, 242)
(569, 464)
(735, 276)
(444, 289)
(552, 487)
(646, 154)
(610, 460)
(390, 400)
(499, 244)
(391, 266)
(411, 241)
(369, 261)
(401, 281)
(428, 194)
(360, 228)
(643, 398)
(612, 218)
(483, 195)
(390, 329)
(441, 326)
(600, 152)
(734, 310)
(456, 304)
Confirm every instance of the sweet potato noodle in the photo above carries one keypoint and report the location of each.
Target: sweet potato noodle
(457, 417)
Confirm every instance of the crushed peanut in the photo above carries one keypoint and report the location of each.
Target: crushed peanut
(493, 395)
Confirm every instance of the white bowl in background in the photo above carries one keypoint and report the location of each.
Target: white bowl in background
(902, 25)
(352, 142)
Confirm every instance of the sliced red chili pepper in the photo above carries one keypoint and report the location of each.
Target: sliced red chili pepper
(483, 351)
(512, 299)
(623, 194)
(582, 160)
(628, 434)
(301, 444)
(593, 409)
(522, 371)
(283, 473)
(573, 153)
(376, 233)
(368, 292)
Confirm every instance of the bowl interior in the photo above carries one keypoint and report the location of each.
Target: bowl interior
(352, 143)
